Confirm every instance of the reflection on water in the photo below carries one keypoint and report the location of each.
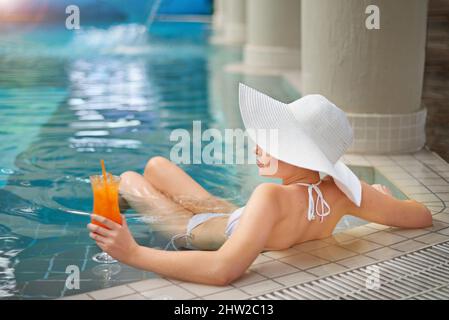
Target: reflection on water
(10, 247)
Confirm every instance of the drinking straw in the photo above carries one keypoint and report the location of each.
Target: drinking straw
(103, 169)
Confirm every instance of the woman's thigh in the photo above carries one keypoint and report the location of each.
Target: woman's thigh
(146, 199)
(174, 182)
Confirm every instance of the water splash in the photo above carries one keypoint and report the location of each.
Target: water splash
(108, 40)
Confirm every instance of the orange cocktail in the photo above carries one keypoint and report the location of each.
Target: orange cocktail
(105, 189)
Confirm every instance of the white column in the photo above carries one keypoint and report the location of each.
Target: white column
(234, 23)
(273, 34)
(218, 16)
(374, 75)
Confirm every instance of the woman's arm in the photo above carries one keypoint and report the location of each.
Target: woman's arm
(210, 267)
(384, 209)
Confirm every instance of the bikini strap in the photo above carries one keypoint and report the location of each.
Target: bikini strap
(173, 239)
(322, 210)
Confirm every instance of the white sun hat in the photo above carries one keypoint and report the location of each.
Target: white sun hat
(312, 133)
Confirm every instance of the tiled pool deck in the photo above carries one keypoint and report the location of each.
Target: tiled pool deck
(422, 176)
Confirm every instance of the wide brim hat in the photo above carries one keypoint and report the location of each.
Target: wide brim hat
(311, 133)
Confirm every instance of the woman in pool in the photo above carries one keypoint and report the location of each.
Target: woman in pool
(312, 136)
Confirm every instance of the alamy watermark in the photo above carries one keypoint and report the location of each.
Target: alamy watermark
(72, 281)
(213, 146)
(373, 279)
(372, 22)
(72, 22)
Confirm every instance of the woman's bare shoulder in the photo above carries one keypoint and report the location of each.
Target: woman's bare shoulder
(273, 192)
(282, 196)
(267, 189)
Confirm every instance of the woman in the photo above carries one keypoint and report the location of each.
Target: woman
(312, 134)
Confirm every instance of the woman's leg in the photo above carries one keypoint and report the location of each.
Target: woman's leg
(174, 182)
(170, 217)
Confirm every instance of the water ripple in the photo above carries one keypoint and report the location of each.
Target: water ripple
(10, 247)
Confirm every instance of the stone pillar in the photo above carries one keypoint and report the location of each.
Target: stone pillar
(375, 75)
(234, 23)
(218, 16)
(273, 34)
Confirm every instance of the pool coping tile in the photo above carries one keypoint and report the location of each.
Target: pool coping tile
(112, 292)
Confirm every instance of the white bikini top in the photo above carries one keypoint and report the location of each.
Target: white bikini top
(321, 208)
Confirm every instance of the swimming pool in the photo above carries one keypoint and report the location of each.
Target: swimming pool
(69, 99)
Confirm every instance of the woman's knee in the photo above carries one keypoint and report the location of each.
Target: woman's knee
(156, 164)
(127, 175)
(128, 178)
(133, 187)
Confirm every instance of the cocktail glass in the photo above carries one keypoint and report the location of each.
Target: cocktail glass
(105, 190)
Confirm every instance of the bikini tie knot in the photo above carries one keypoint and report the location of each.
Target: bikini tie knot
(321, 208)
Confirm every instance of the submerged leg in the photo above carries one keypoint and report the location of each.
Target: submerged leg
(123, 204)
(169, 216)
(176, 184)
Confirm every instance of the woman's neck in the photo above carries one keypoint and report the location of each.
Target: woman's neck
(306, 176)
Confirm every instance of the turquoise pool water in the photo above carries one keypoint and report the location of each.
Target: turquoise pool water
(69, 99)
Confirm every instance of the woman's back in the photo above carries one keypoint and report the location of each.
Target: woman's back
(293, 226)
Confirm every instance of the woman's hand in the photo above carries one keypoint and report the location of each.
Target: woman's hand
(117, 240)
